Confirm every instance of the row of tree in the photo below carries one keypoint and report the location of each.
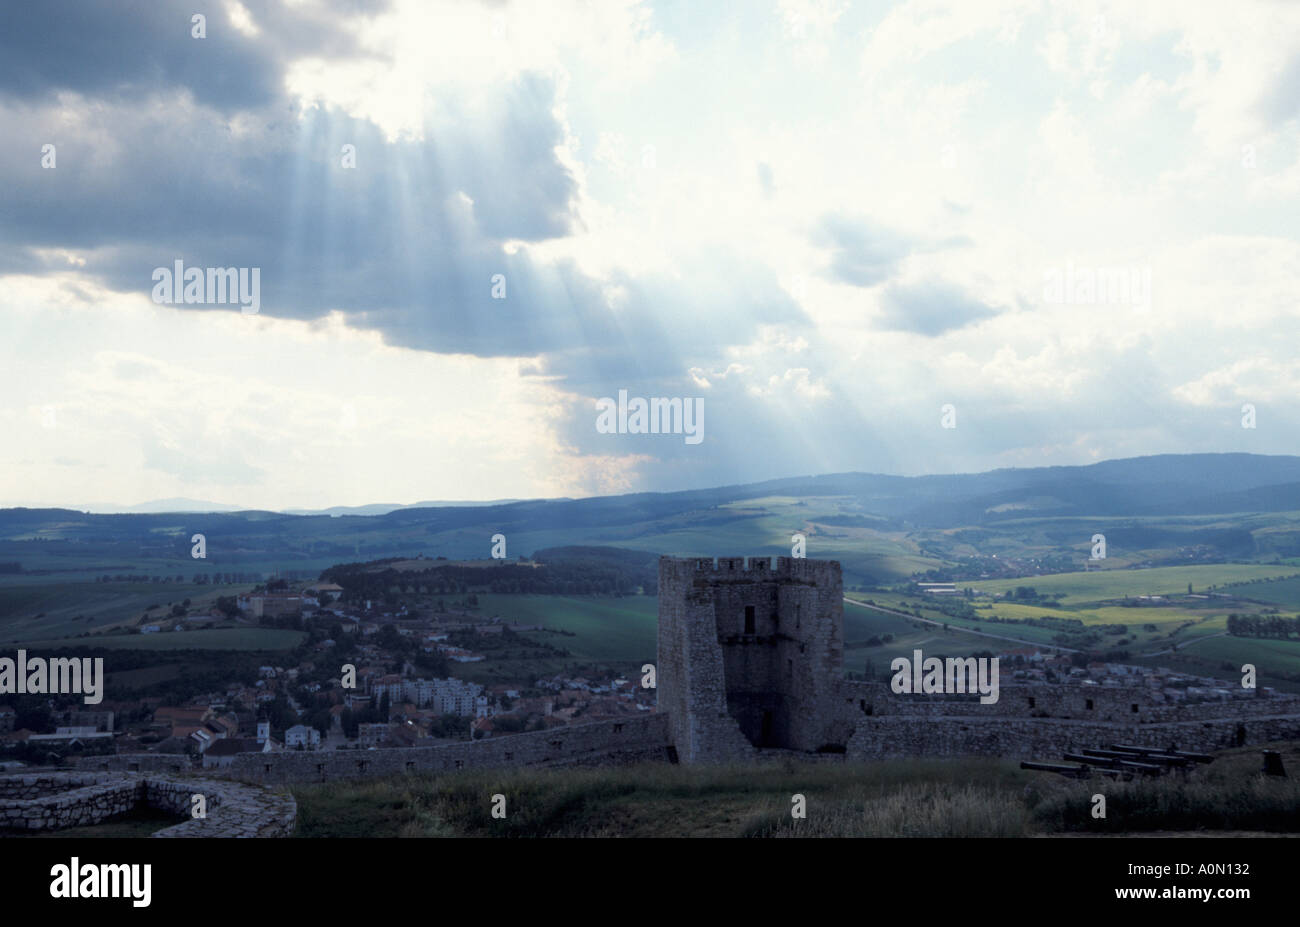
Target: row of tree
(564, 571)
(1276, 626)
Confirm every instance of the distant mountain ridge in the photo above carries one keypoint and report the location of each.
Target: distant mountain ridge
(1155, 485)
(183, 505)
(1186, 501)
(382, 508)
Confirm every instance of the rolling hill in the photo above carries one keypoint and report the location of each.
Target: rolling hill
(1223, 506)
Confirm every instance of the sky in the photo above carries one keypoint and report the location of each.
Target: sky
(913, 237)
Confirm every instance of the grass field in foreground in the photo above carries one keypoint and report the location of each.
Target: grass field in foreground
(970, 796)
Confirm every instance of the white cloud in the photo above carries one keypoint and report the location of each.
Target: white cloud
(973, 145)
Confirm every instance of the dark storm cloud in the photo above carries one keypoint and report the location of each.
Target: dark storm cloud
(121, 47)
(116, 49)
(152, 168)
(407, 243)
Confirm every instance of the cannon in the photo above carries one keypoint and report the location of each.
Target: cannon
(1082, 771)
(1164, 759)
(1107, 763)
(1193, 757)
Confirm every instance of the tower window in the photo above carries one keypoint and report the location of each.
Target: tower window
(749, 619)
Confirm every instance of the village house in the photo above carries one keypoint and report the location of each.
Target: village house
(372, 735)
(223, 752)
(271, 604)
(301, 735)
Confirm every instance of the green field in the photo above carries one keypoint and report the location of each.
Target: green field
(147, 676)
(1024, 632)
(1166, 620)
(1172, 624)
(861, 623)
(1098, 585)
(215, 639)
(1185, 639)
(44, 610)
(1283, 592)
(1274, 660)
(620, 633)
(615, 632)
(620, 629)
(763, 527)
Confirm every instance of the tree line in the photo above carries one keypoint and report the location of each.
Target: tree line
(199, 579)
(361, 582)
(1274, 626)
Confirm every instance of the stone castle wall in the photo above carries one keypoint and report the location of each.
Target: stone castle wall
(54, 801)
(636, 738)
(26, 787)
(1119, 704)
(1049, 738)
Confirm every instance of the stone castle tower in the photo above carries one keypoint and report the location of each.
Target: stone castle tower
(750, 656)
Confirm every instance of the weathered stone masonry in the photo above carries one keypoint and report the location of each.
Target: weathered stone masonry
(598, 742)
(52, 801)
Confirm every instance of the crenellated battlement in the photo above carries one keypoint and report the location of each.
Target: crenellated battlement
(747, 569)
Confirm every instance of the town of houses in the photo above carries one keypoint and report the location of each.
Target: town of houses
(1030, 665)
(390, 705)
